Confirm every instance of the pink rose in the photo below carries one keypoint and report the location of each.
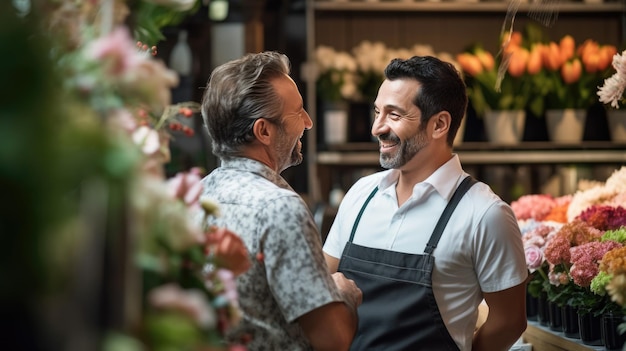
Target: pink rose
(534, 257)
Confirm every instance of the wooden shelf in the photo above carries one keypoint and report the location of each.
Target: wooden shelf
(544, 339)
(366, 154)
(459, 6)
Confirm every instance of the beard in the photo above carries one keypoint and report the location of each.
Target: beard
(289, 152)
(405, 151)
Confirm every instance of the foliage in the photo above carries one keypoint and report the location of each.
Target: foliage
(86, 121)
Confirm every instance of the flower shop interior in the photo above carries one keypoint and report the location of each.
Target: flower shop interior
(550, 141)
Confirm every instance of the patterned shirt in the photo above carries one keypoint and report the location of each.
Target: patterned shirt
(292, 279)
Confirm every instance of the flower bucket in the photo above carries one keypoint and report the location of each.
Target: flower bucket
(589, 329)
(335, 123)
(566, 126)
(611, 337)
(554, 316)
(505, 127)
(617, 124)
(569, 319)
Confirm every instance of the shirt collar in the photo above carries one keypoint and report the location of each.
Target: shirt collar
(256, 167)
(444, 180)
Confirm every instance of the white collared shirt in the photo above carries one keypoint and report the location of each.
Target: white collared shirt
(480, 248)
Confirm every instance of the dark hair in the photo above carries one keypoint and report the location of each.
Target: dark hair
(237, 94)
(441, 88)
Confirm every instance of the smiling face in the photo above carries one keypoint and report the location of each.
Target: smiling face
(397, 125)
(294, 121)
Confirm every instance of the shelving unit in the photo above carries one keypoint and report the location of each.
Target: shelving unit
(403, 23)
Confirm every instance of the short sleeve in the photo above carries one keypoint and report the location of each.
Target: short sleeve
(294, 264)
(500, 262)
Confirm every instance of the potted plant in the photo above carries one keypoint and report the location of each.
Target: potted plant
(611, 93)
(506, 93)
(570, 76)
(335, 86)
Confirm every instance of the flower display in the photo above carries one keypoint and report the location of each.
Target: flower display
(612, 91)
(373, 57)
(535, 240)
(610, 192)
(572, 73)
(356, 75)
(533, 206)
(336, 80)
(165, 280)
(488, 89)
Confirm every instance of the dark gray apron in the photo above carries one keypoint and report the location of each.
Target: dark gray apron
(399, 311)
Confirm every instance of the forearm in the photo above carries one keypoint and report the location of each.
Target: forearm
(493, 336)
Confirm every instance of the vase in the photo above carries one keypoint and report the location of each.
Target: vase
(566, 126)
(611, 337)
(569, 322)
(542, 309)
(589, 328)
(505, 127)
(617, 125)
(554, 316)
(532, 309)
(335, 122)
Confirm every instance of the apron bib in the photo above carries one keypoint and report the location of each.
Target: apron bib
(399, 311)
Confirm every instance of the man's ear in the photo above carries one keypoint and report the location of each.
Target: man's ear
(263, 131)
(441, 124)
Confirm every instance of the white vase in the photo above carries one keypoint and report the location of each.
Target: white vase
(617, 124)
(566, 126)
(335, 123)
(505, 127)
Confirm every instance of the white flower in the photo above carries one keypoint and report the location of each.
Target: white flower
(613, 89)
(148, 139)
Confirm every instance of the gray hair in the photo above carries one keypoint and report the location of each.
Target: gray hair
(237, 94)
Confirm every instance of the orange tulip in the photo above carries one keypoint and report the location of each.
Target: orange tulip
(571, 71)
(567, 46)
(588, 47)
(514, 41)
(534, 59)
(552, 56)
(606, 56)
(469, 63)
(486, 59)
(591, 61)
(518, 62)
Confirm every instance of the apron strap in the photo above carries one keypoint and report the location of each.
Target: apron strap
(447, 213)
(358, 217)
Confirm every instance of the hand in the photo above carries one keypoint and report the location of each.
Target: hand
(350, 292)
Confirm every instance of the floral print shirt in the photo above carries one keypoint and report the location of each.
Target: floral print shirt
(289, 276)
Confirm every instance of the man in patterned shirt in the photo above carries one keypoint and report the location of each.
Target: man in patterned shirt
(255, 118)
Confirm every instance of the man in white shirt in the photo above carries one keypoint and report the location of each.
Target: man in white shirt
(422, 282)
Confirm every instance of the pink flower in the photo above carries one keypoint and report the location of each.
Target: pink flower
(190, 302)
(534, 257)
(586, 259)
(186, 186)
(535, 206)
(116, 51)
